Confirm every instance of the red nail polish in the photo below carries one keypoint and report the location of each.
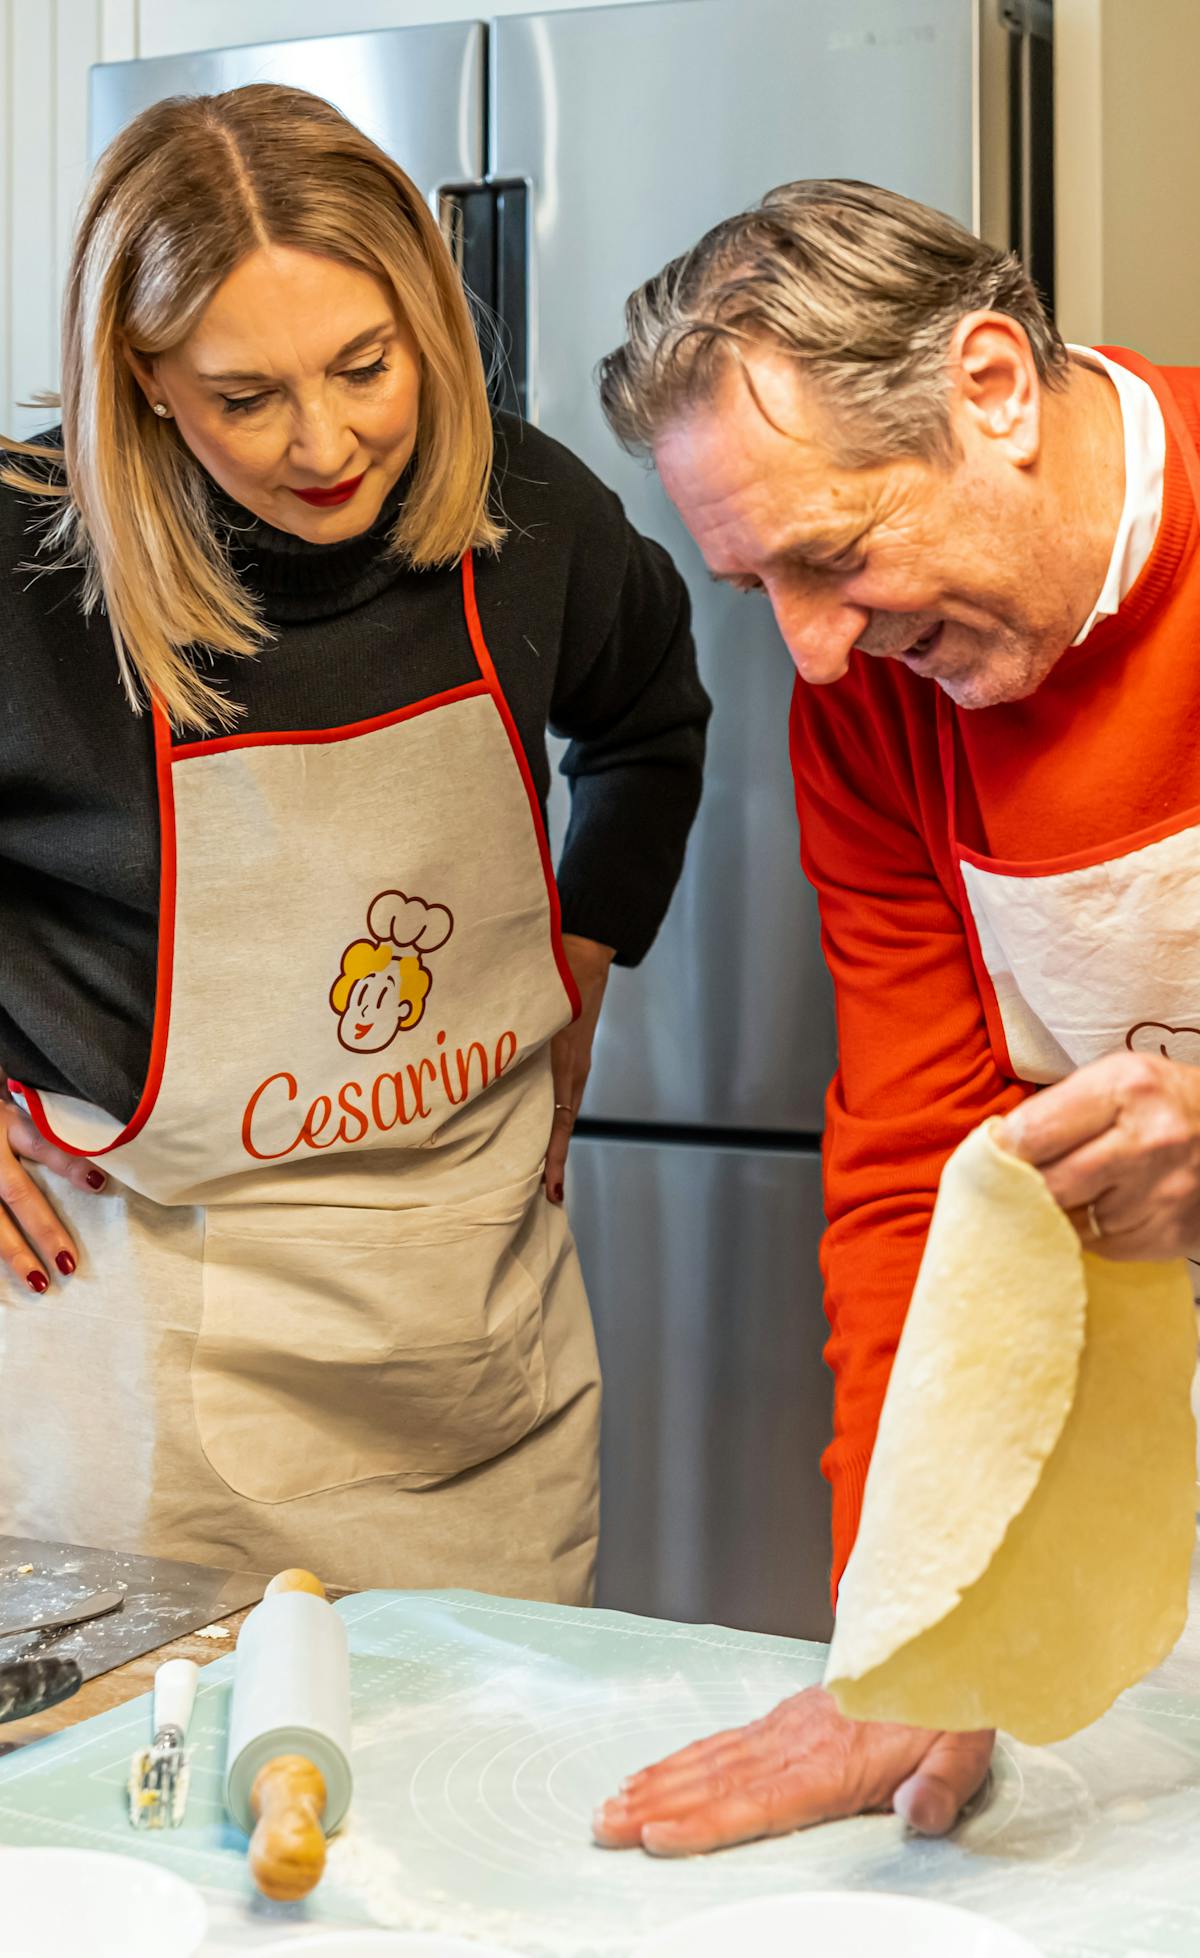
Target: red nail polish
(65, 1263)
(37, 1281)
(97, 1178)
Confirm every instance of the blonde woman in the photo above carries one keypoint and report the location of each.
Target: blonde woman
(279, 1290)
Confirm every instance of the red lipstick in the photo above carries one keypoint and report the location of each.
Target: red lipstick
(325, 499)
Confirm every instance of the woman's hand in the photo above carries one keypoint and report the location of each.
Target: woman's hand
(803, 1763)
(1118, 1143)
(32, 1241)
(571, 1052)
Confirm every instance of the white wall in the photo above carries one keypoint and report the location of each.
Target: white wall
(1127, 174)
(46, 48)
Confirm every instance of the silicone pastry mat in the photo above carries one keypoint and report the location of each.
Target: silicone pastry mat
(486, 1730)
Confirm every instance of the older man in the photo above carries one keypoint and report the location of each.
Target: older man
(980, 549)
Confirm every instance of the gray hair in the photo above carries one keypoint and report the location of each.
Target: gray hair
(862, 286)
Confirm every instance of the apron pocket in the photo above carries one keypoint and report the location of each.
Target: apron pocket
(337, 1345)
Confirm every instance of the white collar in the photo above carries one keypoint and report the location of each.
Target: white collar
(1145, 460)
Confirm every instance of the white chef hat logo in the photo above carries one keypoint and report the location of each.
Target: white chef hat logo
(384, 982)
(408, 922)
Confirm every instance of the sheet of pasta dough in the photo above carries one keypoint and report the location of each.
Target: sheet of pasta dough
(1029, 1514)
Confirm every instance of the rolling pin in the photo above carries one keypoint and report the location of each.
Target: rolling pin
(287, 1773)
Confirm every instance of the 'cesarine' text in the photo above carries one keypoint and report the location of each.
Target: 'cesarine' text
(420, 1091)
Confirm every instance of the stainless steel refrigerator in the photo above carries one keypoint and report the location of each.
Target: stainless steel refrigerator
(580, 149)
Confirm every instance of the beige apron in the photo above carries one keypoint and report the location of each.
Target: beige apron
(324, 1313)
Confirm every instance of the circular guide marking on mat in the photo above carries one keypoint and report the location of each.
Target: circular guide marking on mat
(477, 1783)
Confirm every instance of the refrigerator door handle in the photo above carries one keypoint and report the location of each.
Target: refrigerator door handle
(514, 206)
(465, 213)
(486, 226)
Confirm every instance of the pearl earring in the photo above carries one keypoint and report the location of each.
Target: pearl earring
(160, 408)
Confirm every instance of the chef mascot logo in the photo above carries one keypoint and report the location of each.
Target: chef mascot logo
(1173, 1043)
(384, 982)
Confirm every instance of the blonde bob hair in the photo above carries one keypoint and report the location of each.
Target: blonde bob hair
(177, 200)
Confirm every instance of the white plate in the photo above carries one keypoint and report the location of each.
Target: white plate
(387, 1944)
(836, 1924)
(51, 1898)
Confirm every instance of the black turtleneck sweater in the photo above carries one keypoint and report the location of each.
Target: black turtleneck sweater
(587, 624)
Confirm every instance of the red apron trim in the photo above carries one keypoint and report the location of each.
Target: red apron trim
(1125, 846)
(165, 962)
(479, 645)
(993, 1019)
(308, 737)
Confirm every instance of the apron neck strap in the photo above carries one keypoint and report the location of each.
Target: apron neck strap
(475, 629)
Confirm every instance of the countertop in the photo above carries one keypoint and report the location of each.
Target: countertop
(486, 1729)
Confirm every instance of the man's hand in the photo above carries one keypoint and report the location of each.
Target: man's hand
(32, 1241)
(571, 1052)
(1118, 1142)
(803, 1763)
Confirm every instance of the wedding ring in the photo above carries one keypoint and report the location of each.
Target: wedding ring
(563, 1108)
(1093, 1221)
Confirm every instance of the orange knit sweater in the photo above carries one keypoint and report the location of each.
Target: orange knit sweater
(1108, 745)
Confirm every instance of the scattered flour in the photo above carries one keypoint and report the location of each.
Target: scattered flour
(474, 1797)
(373, 1875)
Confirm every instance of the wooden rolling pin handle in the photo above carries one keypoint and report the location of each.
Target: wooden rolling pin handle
(287, 1849)
(295, 1580)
